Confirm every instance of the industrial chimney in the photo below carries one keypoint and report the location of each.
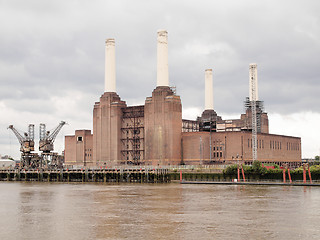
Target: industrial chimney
(208, 90)
(162, 59)
(110, 66)
(253, 82)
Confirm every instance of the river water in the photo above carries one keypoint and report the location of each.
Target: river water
(157, 211)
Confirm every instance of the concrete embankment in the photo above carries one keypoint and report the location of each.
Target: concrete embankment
(270, 183)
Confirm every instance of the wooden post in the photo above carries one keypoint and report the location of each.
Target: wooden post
(238, 173)
(180, 175)
(41, 174)
(284, 175)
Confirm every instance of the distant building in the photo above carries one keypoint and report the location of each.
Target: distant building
(7, 163)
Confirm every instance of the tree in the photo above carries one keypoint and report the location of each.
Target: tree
(317, 158)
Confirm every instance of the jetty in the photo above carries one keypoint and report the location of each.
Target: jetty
(135, 175)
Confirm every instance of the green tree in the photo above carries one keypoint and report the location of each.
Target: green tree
(317, 158)
(257, 168)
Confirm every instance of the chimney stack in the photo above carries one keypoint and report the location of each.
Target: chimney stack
(110, 66)
(162, 59)
(253, 82)
(208, 90)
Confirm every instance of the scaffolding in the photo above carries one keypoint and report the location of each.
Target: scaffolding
(259, 110)
(132, 135)
(190, 126)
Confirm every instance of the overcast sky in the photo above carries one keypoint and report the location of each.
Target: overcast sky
(52, 60)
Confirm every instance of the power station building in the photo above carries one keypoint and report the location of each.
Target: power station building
(156, 134)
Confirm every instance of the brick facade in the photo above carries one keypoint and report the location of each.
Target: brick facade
(154, 134)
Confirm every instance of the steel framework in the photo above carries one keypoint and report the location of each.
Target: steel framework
(253, 94)
(190, 126)
(132, 138)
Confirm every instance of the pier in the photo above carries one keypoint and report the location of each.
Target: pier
(134, 175)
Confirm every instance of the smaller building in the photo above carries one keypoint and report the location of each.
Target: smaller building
(7, 163)
(233, 147)
(78, 148)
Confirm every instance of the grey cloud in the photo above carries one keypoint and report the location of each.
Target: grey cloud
(52, 49)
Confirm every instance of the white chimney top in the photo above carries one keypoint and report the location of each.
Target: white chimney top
(162, 58)
(110, 66)
(208, 90)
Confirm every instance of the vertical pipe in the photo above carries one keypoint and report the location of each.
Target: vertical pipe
(110, 66)
(208, 90)
(309, 174)
(244, 178)
(304, 174)
(284, 175)
(238, 174)
(180, 176)
(289, 175)
(162, 59)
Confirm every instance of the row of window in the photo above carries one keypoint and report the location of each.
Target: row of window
(217, 148)
(274, 145)
(260, 143)
(293, 146)
(89, 152)
(217, 154)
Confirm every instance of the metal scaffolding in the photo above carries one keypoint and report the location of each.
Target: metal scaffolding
(190, 126)
(132, 135)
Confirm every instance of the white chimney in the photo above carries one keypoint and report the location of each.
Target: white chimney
(162, 59)
(208, 90)
(253, 82)
(110, 66)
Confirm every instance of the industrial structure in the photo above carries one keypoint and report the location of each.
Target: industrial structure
(156, 134)
(26, 140)
(47, 158)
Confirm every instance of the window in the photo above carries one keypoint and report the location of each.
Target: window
(79, 139)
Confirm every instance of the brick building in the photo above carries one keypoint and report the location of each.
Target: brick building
(156, 134)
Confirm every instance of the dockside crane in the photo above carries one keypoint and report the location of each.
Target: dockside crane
(46, 141)
(26, 141)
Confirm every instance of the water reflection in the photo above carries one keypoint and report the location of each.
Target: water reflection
(157, 211)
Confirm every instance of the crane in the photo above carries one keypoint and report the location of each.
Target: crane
(46, 141)
(26, 141)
